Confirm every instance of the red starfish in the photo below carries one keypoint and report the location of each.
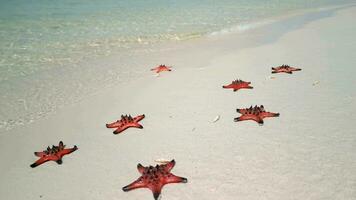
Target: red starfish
(161, 68)
(126, 122)
(285, 68)
(256, 113)
(154, 178)
(238, 84)
(55, 154)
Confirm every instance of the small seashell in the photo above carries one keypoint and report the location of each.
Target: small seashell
(316, 83)
(216, 118)
(162, 161)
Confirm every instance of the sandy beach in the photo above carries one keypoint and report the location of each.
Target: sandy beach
(306, 153)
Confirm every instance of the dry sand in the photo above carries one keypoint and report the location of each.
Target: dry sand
(306, 153)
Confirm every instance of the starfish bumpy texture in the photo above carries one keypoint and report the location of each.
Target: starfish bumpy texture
(161, 68)
(154, 178)
(238, 84)
(284, 69)
(53, 154)
(256, 114)
(126, 122)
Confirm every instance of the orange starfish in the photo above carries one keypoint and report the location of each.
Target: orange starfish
(284, 68)
(161, 68)
(154, 178)
(256, 114)
(126, 122)
(53, 154)
(238, 84)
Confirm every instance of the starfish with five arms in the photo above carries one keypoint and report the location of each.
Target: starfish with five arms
(161, 68)
(126, 122)
(256, 113)
(154, 178)
(238, 84)
(53, 154)
(284, 68)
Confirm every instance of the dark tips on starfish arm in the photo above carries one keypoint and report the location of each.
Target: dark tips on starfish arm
(34, 165)
(156, 195)
(184, 180)
(126, 189)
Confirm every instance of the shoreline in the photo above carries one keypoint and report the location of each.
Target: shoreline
(117, 69)
(300, 155)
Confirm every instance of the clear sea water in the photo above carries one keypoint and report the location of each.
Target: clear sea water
(43, 40)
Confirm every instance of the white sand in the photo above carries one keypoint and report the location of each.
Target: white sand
(306, 153)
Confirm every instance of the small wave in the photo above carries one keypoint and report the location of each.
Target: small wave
(241, 27)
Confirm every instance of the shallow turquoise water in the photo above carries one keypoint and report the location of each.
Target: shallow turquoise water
(38, 34)
(42, 37)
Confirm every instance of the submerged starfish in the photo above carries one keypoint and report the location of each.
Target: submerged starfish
(126, 122)
(54, 154)
(161, 68)
(256, 113)
(284, 68)
(238, 84)
(154, 178)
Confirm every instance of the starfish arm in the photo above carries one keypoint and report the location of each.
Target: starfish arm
(120, 129)
(140, 168)
(134, 185)
(227, 86)
(274, 72)
(137, 125)
(175, 179)
(169, 166)
(113, 125)
(139, 118)
(67, 151)
(295, 69)
(241, 111)
(249, 117)
(156, 190)
(249, 87)
(268, 114)
(235, 89)
(40, 154)
(43, 160)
